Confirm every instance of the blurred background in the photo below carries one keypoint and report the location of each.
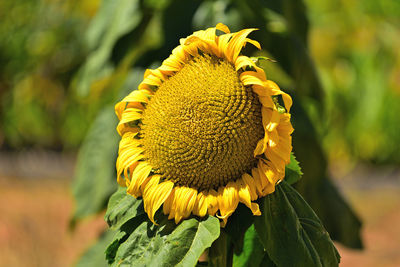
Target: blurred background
(64, 64)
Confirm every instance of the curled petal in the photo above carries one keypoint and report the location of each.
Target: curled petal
(154, 195)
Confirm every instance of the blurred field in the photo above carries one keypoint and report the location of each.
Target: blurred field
(34, 227)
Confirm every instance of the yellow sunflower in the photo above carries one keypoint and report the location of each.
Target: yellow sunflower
(204, 131)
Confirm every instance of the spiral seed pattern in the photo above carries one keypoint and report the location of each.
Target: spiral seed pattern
(202, 125)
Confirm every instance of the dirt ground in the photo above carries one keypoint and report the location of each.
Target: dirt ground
(34, 226)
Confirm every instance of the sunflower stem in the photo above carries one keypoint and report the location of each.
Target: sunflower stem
(221, 252)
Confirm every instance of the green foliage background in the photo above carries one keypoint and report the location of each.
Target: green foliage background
(65, 64)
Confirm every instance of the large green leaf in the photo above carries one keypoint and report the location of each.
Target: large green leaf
(121, 208)
(122, 235)
(313, 227)
(165, 244)
(291, 232)
(95, 168)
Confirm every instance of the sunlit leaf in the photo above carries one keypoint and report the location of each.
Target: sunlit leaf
(166, 244)
(121, 208)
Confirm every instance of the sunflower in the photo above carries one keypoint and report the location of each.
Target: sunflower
(204, 131)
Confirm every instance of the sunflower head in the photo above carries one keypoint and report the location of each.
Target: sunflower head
(204, 131)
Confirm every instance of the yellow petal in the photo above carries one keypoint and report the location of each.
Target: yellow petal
(284, 148)
(257, 181)
(274, 118)
(228, 200)
(248, 78)
(223, 41)
(236, 44)
(266, 101)
(128, 154)
(261, 145)
(287, 100)
(133, 100)
(249, 181)
(168, 202)
(137, 96)
(141, 172)
(212, 202)
(192, 39)
(270, 175)
(262, 90)
(253, 42)
(273, 138)
(185, 198)
(128, 115)
(245, 197)
(200, 207)
(152, 80)
(209, 34)
(266, 176)
(126, 160)
(285, 127)
(173, 63)
(157, 73)
(223, 28)
(275, 160)
(242, 62)
(154, 195)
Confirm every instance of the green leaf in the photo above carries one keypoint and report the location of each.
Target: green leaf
(122, 235)
(94, 256)
(313, 227)
(95, 171)
(291, 232)
(121, 208)
(167, 244)
(293, 171)
(253, 250)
